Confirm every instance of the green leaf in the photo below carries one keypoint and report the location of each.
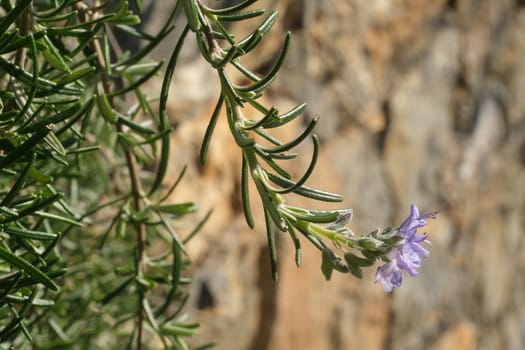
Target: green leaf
(267, 137)
(209, 131)
(46, 87)
(21, 41)
(138, 5)
(39, 176)
(267, 80)
(179, 330)
(287, 146)
(164, 122)
(268, 200)
(206, 346)
(285, 118)
(32, 93)
(272, 249)
(270, 114)
(9, 211)
(308, 172)
(176, 267)
(124, 16)
(31, 270)
(296, 242)
(144, 283)
(8, 41)
(136, 83)
(36, 235)
(54, 10)
(34, 207)
(192, 12)
(250, 42)
(306, 191)
(316, 216)
(53, 55)
(247, 73)
(326, 265)
(135, 32)
(241, 16)
(79, 74)
(177, 209)
(197, 228)
(232, 9)
(134, 126)
(50, 120)
(371, 244)
(117, 291)
(166, 29)
(128, 19)
(24, 282)
(149, 315)
(354, 264)
(245, 193)
(60, 218)
(59, 17)
(25, 148)
(104, 107)
(268, 159)
(15, 189)
(84, 111)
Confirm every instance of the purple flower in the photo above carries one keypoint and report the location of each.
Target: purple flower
(407, 256)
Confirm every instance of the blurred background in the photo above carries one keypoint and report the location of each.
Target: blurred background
(420, 102)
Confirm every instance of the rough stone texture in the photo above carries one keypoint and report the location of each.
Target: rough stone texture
(420, 102)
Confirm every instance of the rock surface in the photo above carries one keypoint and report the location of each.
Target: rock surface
(420, 102)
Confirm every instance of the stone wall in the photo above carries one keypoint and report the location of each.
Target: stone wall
(420, 102)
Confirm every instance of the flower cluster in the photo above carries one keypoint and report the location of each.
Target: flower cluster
(408, 253)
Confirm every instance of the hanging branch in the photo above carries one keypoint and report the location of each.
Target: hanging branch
(320, 227)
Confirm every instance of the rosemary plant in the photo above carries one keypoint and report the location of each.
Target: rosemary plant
(325, 229)
(89, 254)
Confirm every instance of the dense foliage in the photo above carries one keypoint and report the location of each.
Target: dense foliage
(87, 238)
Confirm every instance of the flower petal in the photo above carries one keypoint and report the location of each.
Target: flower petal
(419, 250)
(409, 262)
(390, 276)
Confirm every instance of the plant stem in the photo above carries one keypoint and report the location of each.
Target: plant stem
(24, 26)
(213, 45)
(136, 188)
